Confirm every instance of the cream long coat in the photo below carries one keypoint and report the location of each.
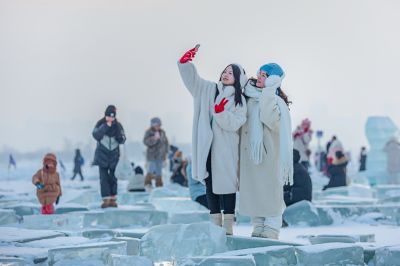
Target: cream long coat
(261, 186)
(220, 132)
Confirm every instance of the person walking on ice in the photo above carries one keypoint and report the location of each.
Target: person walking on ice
(109, 134)
(219, 113)
(47, 182)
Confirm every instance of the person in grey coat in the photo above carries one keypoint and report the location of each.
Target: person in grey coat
(109, 134)
(157, 145)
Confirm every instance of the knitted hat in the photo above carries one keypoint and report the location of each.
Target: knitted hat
(111, 110)
(273, 69)
(155, 121)
(50, 157)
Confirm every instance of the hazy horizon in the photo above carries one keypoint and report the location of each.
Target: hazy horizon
(62, 62)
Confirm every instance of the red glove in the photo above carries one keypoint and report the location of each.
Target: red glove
(188, 56)
(219, 108)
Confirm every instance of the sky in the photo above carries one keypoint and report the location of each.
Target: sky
(62, 62)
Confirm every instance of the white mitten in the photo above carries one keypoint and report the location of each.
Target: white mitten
(273, 82)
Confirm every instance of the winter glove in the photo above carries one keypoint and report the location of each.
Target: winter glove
(39, 185)
(273, 82)
(219, 108)
(188, 56)
(58, 200)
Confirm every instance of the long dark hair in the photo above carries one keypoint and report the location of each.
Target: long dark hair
(278, 92)
(236, 85)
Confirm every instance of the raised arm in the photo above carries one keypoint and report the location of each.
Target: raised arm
(99, 131)
(270, 113)
(193, 82)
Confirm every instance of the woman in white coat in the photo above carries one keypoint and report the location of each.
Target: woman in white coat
(219, 113)
(266, 152)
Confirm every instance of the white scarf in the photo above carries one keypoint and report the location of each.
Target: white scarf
(256, 128)
(285, 143)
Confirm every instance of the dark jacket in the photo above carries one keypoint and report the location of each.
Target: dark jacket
(108, 140)
(337, 173)
(302, 187)
(157, 149)
(78, 162)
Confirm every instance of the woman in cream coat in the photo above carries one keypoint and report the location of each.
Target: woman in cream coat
(219, 113)
(266, 152)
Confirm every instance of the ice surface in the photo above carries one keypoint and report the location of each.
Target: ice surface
(27, 208)
(8, 217)
(387, 256)
(108, 233)
(20, 235)
(133, 198)
(27, 253)
(354, 190)
(116, 218)
(189, 217)
(70, 207)
(122, 260)
(242, 242)
(378, 132)
(70, 221)
(58, 242)
(87, 197)
(177, 204)
(10, 261)
(95, 251)
(304, 213)
(182, 240)
(169, 191)
(321, 239)
(217, 260)
(330, 254)
(110, 218)
(133, 244)
(265, 256)
(387, 191)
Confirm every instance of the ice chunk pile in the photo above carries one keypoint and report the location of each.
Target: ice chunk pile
(330, 254)
(98, 252)
(8, 217)
(182, 240)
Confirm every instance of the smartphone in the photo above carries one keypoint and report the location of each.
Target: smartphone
(197, 46)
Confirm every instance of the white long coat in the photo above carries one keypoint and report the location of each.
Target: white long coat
(261, 186)
(218, 132)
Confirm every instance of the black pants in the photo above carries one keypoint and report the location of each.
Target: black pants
(77, 173)
(202, 200)
(108, 182)
(227, 202)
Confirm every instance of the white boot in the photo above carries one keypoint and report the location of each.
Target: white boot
(269, 232)
(216, 218)
(258, 226)
(229, 219)
(272, 226)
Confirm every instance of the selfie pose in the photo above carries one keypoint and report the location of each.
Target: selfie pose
(219, 113)
(266, 152)
(109, 134)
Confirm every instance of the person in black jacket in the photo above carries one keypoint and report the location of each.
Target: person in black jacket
(78, 162)
(337, 171)
(302, 187)
(109, 134)
(363, 159)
